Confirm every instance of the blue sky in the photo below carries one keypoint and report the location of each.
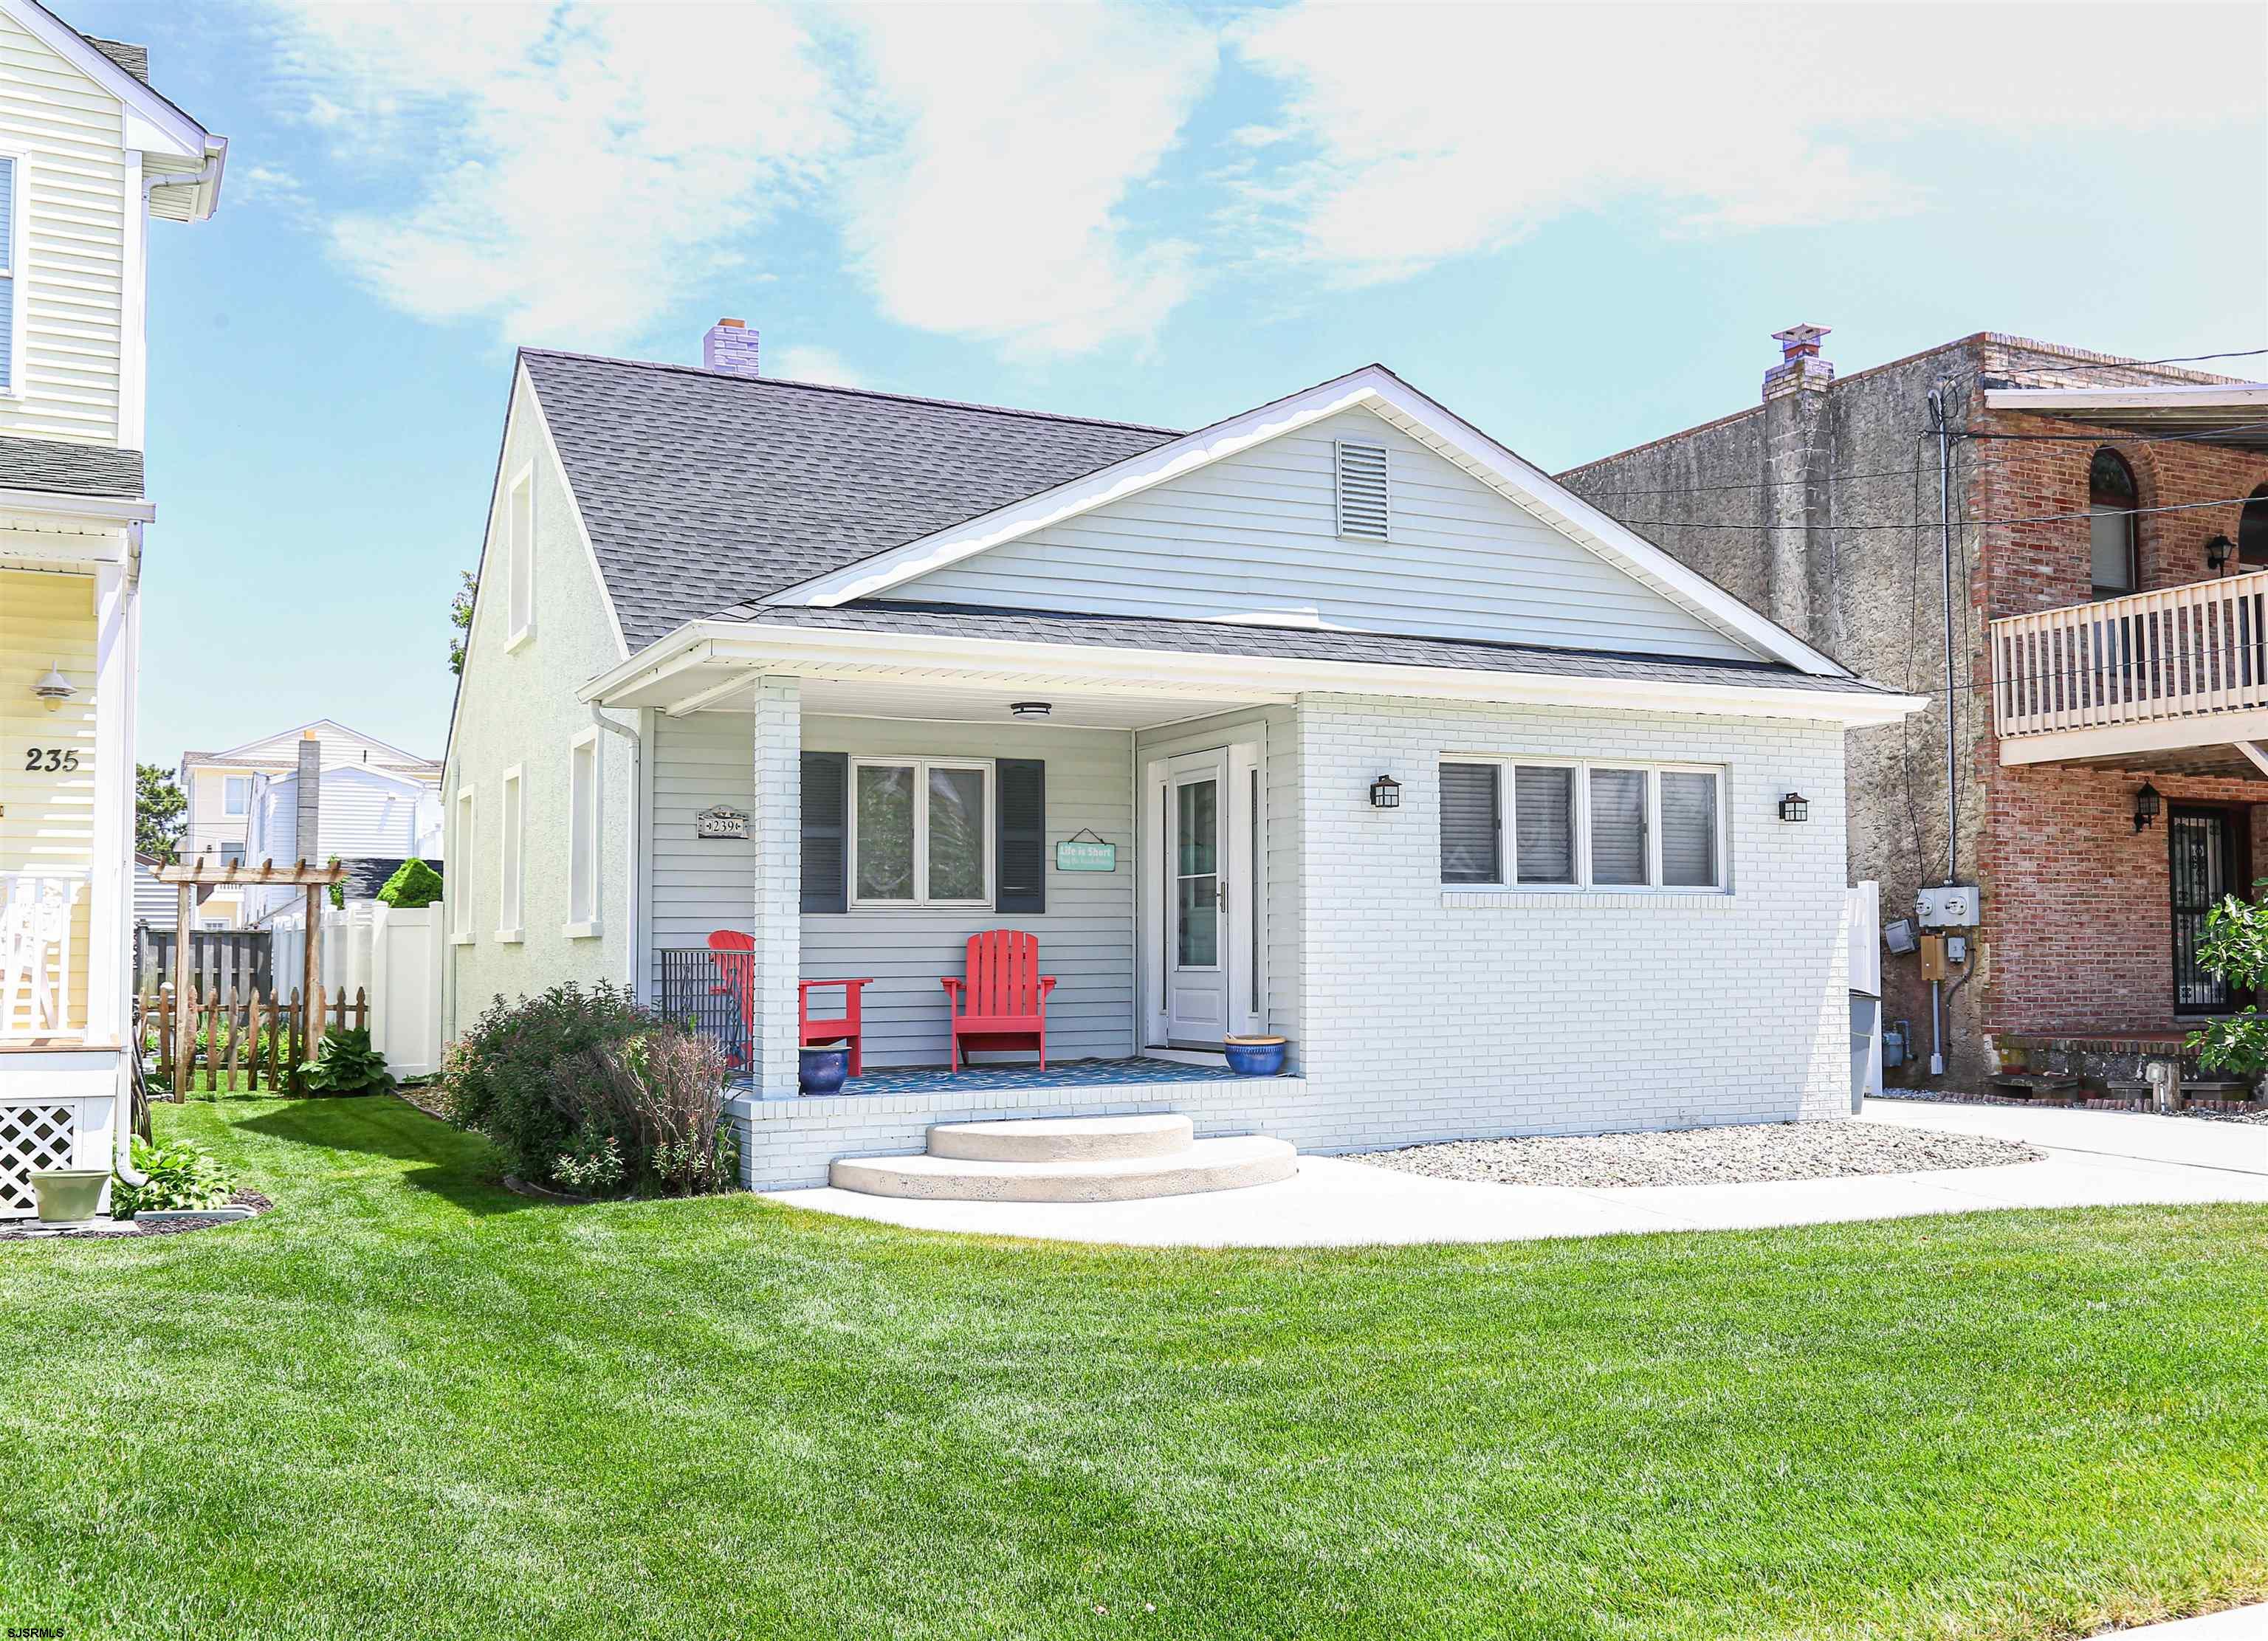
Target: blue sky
(1575, 225)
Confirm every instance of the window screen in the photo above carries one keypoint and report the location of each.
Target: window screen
(1618, 826)
(1544, 819)
(1472, 824)
(1689, 830)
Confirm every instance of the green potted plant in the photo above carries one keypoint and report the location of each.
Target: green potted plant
(2233, 949)
(68, 1197)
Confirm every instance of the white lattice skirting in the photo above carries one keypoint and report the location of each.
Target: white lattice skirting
(32, 1138)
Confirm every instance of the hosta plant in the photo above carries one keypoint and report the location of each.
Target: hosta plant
(176, 1176)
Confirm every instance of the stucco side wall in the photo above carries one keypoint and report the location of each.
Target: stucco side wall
(1433, 1012)
(518, 707)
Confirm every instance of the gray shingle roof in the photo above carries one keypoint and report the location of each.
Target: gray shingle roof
(134, 59)
(702, 489)
(45, 464)
(1203, 638)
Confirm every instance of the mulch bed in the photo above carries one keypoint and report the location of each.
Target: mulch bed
(110, 1230)
(2204, 1110)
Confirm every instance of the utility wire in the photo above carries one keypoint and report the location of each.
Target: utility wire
(2202, 434)
(1909, 524)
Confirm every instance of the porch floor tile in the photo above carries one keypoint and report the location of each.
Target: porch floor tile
(1060, 1074)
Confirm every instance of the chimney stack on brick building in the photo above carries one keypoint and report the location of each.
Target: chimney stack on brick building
(729, 348)
(1799, 479)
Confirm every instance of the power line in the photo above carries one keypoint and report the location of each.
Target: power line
(2128, 364)
(2117, 438)
(1913, 523)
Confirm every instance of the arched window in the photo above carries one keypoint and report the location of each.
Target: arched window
(2252, 529)
(2110, 501)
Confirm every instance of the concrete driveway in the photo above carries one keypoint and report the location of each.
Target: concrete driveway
(2094, 1159)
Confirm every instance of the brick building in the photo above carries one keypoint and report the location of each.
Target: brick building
(2106, 658)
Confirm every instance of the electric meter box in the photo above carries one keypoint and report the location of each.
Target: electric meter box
(1952, 907)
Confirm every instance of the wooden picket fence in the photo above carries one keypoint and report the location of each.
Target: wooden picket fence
(229, 1033)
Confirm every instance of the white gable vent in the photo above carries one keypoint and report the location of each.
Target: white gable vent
(1362, 490)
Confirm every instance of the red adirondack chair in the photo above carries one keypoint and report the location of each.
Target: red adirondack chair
(734, 955)
(1003, 1002)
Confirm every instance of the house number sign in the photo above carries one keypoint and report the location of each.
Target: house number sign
(48, 759)
(721, 822)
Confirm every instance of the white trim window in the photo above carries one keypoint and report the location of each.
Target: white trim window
(582, 837)
(235, 795)
(11, 256)
(921, 832)
(457, 878)
(1553, 824)
(520, 559)
(511, 836)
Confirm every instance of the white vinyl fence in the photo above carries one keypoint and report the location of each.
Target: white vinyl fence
(394, 958)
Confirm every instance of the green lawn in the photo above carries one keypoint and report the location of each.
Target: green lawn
(408, 1404)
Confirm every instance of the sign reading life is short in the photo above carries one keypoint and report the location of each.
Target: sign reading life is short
(1074, 855)
(721, 822)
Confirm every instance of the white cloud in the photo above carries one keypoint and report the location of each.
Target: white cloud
(815, 365)
(1437, 131)
(997, 212)
(574, 171)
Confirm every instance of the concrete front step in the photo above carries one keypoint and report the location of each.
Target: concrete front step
(1064, 1139)
(1207, 1165)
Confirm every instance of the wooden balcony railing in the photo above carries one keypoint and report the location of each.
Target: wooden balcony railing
(39, 918)
(2180, 652)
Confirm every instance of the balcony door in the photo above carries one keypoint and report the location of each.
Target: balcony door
(2208, 856)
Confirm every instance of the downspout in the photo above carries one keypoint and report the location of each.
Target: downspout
(630, 837)
(209, 172)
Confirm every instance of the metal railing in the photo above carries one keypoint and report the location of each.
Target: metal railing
(691, 985)
(40, 914)
(2177, 652)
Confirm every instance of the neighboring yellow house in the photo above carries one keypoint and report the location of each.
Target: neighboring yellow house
(89, 152)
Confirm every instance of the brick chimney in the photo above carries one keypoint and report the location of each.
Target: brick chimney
(729, 348)
(1799, 479)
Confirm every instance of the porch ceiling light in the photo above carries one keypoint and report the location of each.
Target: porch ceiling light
(2146, 805)
(55, 689)
(1029, 709)
(1795, 806)
(1386, 793)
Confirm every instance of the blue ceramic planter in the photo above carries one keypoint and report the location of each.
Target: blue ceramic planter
(821, 1070)
(1255, 1056)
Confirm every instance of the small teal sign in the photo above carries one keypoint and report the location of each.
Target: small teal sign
(1074, 855)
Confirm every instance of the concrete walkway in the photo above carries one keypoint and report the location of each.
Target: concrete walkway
(2095, 1159)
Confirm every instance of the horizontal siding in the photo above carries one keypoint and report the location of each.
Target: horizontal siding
(1086, 934)
(47, 820)
(1255, 535)
(65, 131)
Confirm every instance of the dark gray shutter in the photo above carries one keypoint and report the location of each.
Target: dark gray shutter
(826, 794)
(1472, 824)
(1022, 856)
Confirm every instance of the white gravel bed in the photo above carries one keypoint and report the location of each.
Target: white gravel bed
(1750, 1153)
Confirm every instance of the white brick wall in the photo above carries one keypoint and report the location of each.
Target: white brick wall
(1428, 1013)
(1433, 1014)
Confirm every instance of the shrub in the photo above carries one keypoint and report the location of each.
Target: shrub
(178, 1176)
(2233, 949)
(413, 885)
(346, 1064)
(665, 1093)
(522, 1075)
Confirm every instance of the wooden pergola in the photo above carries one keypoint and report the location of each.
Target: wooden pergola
(216, 872)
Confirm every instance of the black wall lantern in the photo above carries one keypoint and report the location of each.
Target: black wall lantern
(1386, 793)
(2218, 551)
(2146, 805)
(1795, 806)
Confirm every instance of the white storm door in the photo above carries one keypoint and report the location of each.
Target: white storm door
(1198, 936)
